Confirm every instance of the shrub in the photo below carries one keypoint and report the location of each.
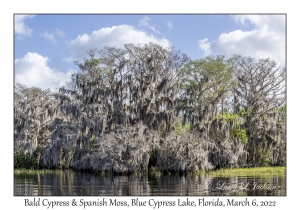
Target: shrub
(25, 161)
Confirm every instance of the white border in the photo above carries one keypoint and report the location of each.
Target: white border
(8, 201)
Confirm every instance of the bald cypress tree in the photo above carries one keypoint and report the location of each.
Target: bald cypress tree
(130, 108)
(260, 93)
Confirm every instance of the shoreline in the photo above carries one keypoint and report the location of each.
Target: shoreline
(255, 171)
(226, 172)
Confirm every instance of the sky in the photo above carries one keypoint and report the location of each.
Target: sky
(46, 46)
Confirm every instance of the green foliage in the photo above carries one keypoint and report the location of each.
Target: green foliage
(210, 78)
(182, 129)
(22, 161)
(281, 161)
(92, 142)
(261, 171)
(239, 133)
(264, 156)
(283, 108)
(236, 132)
(243, 112)
(92, 64)
(228, 116)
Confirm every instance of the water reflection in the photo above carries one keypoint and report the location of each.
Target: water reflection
(70, 183)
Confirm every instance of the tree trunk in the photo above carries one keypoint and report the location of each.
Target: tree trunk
(254, 156)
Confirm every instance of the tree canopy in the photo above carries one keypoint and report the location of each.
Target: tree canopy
(145, 106)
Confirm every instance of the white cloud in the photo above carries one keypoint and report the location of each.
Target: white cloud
(33, 70)
(51, 36)
(68, 59)
(60, 33)
(115, 36)
(267, 39)
(274, 22)
(145, 22)
(205, 46)
(169, 24)
(20, 27)
(48, 36)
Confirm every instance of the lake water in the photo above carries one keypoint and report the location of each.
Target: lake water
(70, 183)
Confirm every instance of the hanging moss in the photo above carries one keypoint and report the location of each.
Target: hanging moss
(144, 105)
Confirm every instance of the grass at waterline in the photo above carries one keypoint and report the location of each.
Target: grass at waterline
(38, 171)
(152, 171)
(260, 171)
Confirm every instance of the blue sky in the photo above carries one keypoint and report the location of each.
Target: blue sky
(45, 46)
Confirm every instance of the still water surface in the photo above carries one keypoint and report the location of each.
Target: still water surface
(70, 183)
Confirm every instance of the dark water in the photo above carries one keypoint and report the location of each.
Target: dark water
(70, 183)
